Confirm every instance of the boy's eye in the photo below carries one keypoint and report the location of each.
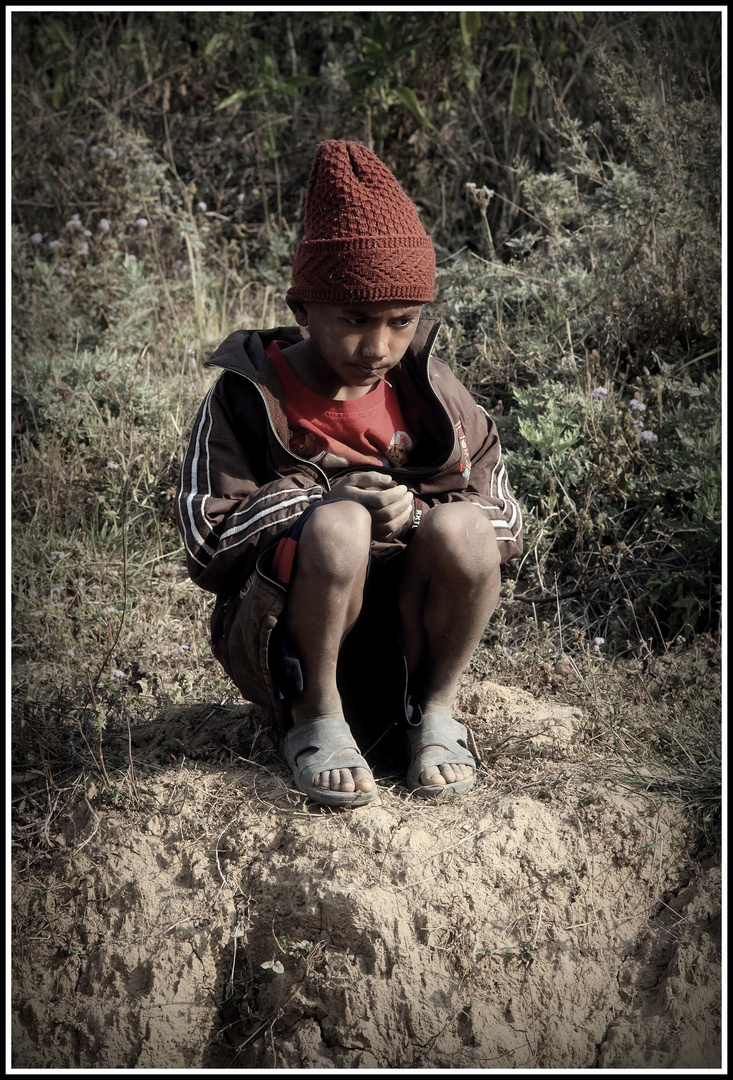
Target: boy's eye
(399, 324)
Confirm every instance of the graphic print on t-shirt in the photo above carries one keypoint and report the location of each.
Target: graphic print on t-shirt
(325, 451)
(335, 434)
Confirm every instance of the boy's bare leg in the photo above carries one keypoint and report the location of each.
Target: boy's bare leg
(324, 601)
(450, 588)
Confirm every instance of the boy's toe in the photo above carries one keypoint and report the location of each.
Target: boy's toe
(435, 776)
(445, 774)
(346, 780)
(342, 780)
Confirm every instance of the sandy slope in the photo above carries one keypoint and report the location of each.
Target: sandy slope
(548, 919)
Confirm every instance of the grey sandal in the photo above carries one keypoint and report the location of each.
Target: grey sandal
(319, 746)
(441, 730)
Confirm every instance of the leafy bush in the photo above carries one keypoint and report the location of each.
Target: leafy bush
(596, 338)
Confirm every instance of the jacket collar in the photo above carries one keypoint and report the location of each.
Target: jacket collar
(244, 351)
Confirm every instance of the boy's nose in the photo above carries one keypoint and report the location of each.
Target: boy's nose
(375, 344)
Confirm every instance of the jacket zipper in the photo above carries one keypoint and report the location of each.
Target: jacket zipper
(303, 461)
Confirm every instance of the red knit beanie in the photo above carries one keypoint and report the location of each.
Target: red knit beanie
(363, 239)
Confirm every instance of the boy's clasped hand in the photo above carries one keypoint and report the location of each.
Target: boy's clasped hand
(390, 505)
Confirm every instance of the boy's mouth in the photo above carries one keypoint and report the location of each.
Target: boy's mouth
(374, 373)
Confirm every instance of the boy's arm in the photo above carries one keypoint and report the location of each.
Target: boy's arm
(226, 514)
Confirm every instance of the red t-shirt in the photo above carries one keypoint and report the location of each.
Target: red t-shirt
(367, 431)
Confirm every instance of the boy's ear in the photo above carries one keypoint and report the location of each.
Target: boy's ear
(299, 310)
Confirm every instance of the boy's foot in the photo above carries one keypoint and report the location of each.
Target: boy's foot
(441, 763)
(442, 775)
(326, 764)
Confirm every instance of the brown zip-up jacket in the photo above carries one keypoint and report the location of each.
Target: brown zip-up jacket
(241, 488)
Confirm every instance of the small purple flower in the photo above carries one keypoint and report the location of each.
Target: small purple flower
(599, 393)
(104, 225)
(37, 238)
(141, 223)
(83, 249)
(180, 267)
(118, 674)
(93, 149)
(647, 436)
(110, 153)
(54, 244)
(80, 142)
(181, 650)
(36, 614)
(74, 222)
(201, 206)
(598, 641)
(87, 233)
(637, 406)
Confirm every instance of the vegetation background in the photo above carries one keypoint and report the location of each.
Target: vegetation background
(568, 166)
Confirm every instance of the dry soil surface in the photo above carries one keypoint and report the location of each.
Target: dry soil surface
(200, 914)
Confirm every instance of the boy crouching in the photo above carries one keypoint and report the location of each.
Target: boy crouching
(345, 498)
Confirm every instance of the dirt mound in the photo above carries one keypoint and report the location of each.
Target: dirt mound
(200, 915)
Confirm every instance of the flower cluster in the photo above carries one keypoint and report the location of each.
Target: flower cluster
(645, 435)
(481, 196)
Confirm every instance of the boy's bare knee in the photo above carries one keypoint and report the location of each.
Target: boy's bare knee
(336, 538)
(459, 534)
(343, 517)
(457, 522)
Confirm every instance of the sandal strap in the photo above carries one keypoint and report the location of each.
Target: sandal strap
(440, 729)
(321, 744)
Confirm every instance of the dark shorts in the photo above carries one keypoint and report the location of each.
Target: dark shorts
(251, 646)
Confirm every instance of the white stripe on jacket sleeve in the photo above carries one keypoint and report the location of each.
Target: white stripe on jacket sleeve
(274, 506)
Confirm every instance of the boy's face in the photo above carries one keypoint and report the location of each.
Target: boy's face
(350, 346)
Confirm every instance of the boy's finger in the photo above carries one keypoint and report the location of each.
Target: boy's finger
(370, 479)
(390, 497)
(391, 504)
